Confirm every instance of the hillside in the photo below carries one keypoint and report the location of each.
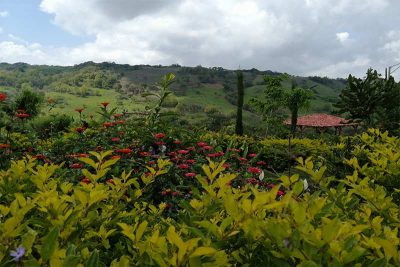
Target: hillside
(198, 91)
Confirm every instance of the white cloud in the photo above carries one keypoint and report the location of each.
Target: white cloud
(342, 36)
(3, 14)
(292, 36)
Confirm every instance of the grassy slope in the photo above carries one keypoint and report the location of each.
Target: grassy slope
(189, 89)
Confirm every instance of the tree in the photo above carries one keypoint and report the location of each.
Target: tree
(278, 101)
(239, 115)
(372, 100)
(297, 99)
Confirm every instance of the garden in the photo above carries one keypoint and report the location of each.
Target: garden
(119, 190)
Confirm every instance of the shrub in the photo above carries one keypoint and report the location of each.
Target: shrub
(50, 125)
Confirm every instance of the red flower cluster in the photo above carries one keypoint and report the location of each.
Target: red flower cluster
(183, 166)
(80, 155)
(218, 154)
(124, 151)
(3, 97)
(159, 135)
(80, 129)
(190, 174)
(104, 104)
(254, 170)
(22, 114)
(115, 139)
(4, 145)
(183, 151)
(76, 166)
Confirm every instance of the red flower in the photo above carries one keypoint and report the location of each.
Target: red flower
(144, 154)
(110, 181)
(174, 194)
(124, 151)
(226, 165)
(80, 129)
(159, 135)
(207, 148)
(280, 193)
(254, 170)
(261, 163)
(104, 104)
(76, 166)
(108, 124)
(252, 155)
(190, 174)
(242, 159)
(121, 133)
(201, 144)
(183, 166)
(183, 151)
(22, 115)
(40, 156)
(159, 143)
(79, 110)
(190, 161)
(164, 193)
(115, 139)
(172, 154)
(115, 157)
(177, 142)
(86, 180)
(213, 155)
(3, 97)
(4, 145)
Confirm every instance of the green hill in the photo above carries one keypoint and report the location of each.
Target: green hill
(198, 91)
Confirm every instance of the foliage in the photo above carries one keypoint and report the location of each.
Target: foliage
(106, 219)
(28, 101)
(373, 100)
(50, 125)
(277, 100)
(154, 112)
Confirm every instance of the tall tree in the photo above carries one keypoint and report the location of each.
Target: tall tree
(373, 100)
(239, 114)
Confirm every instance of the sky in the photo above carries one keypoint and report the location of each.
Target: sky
(300, 37)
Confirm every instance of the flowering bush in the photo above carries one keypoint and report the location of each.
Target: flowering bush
(47, 218)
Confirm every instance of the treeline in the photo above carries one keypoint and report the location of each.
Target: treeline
(56, 78)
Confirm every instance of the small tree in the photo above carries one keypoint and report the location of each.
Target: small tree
(297, 99)
(27, 100)
(239, 114)
(278, 101)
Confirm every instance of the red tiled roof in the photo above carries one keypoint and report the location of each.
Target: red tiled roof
(320, 120)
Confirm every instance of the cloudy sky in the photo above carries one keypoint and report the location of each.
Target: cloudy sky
(301, 37)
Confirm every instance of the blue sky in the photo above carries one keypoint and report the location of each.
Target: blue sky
(300, 37)
(25, 20)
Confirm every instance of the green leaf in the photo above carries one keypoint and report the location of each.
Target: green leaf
(49, 244)
(71, 261)
(200, 251)
(140, 230)
(93, 260)
(298, 188)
